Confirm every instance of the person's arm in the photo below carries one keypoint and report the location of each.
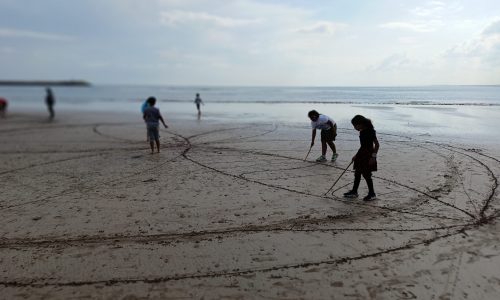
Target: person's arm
(373, 159)
(161, 119)
(375, 149)
(313, 136)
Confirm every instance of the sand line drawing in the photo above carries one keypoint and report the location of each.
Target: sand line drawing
(185, 150)
(430, 196)
(338, 178)
(118, 281)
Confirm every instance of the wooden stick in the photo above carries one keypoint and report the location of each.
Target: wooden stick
(339, 177)
(308, 153)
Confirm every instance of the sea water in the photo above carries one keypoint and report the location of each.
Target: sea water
(470, 112)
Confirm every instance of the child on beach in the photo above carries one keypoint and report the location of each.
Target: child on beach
(328, 133)
(143, 108)
(365, 160)
(50, 100)
(198, 101)
(152, 117)
(3, 107)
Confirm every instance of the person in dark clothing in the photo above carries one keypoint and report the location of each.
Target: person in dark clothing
(365, 160)
(50, 100)
(152, 117)
(198, 101)
(3, 107)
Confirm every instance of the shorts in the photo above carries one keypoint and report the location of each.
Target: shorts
(153, 132)
(329, 135)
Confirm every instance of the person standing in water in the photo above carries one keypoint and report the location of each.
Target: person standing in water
(198, 101)
(50, 101)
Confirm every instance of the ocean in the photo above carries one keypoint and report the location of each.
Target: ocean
(419, 95)
(471, 112)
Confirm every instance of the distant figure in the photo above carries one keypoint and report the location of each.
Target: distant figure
(328, 133)
(151, 117)
(3, 107)
(198, 100)
(50, 101)
(143, 108)
(365, 160)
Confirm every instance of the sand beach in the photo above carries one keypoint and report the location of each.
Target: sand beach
(230, 210)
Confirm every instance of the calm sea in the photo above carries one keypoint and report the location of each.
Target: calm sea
(449, 111)
(425, 95)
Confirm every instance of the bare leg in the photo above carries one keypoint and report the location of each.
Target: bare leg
(332, 146)
(368, 177)
(51, 111)
(158, 145)
(357, 179)
(323, 148)
(152, 145)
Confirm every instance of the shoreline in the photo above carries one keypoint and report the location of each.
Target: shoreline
(69, 83)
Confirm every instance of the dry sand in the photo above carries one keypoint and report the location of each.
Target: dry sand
(232, 211)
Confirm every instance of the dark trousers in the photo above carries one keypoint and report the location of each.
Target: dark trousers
(367, 176)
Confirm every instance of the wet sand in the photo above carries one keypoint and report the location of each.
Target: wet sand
(231, 210)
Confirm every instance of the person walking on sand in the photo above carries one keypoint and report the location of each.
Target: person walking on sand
(50, 101)
(198, 101)
(328, 133)
(365, 160)
(152, 117)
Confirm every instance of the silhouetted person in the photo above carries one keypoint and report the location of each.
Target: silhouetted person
(3, 107)
(50, 101)
(365, 160)
(152, 117)
(143, 108)
(198, 101)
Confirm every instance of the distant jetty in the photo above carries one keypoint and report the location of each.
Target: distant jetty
(45, 82)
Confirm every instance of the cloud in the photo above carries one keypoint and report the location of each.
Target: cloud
(429, 17)
(176, 17)
(422, 26)
(485, 48)
(323, 27)
(492, 29)
(432, 8)
(391, 63)
(16, 33)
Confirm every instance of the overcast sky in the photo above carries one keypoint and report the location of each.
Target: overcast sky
(252, 42)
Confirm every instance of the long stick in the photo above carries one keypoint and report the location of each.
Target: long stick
(339, 177)
(308, 153)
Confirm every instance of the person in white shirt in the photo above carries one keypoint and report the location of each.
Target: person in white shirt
(328, 133)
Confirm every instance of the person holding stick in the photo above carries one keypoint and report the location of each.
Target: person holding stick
(328, 133)
(365, 160)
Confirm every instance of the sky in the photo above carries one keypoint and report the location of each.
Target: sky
(252, 42)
